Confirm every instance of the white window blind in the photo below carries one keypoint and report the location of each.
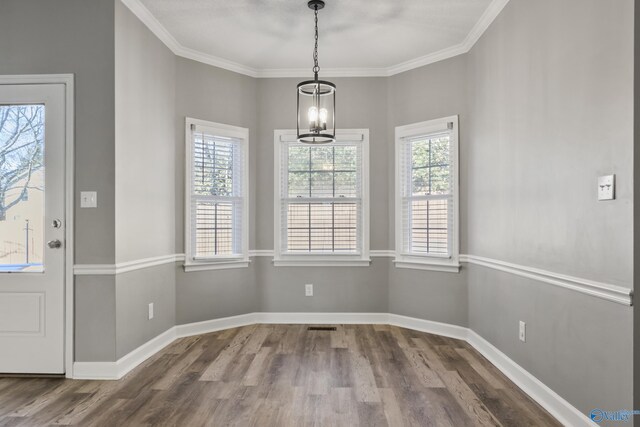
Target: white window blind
(218, 195)
(427, 197)
(321, 198)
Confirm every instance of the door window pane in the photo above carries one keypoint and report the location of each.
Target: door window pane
(21, 188)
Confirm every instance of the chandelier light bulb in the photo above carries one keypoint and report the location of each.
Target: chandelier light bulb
(323, 118)
(323, 115)
(313, 115)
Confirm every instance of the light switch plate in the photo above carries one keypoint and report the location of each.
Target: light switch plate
(88, 199)
(308, 290)
(522, 331)
(607, 187)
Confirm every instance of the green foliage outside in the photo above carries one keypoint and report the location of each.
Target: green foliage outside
(430, 173)
(327, 171)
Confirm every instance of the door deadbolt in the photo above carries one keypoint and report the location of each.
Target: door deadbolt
(56, 223)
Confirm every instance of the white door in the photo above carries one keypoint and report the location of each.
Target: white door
(32, 253)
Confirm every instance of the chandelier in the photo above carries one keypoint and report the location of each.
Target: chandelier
(316, 99)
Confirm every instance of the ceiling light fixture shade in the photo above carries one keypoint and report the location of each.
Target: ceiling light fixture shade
(316, 99)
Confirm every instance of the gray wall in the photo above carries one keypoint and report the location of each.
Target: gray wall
(538, 125)
(550, 109)
(432, 92)
(209, 93)
(545, 122)
(212, 94)
(77, 36)
(429, 295)
(336, 289)
(134, 291)
(95, 318)
(145, 102)
(145, 82)
(360, 103)
(206, 295)
(74, 36)
(578, 345)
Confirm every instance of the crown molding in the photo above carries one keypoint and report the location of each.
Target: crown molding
(431, 58)
(490, 14)
(150, 21)
(147, 18)
(205, 58)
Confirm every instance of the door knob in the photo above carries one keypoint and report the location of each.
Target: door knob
(54, 244)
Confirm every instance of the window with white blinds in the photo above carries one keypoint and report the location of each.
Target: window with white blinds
(426, 193)
(322, 206)
(217, 193)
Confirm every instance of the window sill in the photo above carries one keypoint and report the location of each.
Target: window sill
(446, 265)
(216, 265)
(307, 261)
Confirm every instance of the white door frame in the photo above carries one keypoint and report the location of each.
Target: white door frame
(68, 81)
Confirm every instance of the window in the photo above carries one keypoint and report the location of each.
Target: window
(216, 187)
(427, 195)
(321, 207)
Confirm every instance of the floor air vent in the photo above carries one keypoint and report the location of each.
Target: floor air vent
(321, 328)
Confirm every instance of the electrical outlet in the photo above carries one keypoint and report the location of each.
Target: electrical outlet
(522, 333)
(308, 290)
(150, 310)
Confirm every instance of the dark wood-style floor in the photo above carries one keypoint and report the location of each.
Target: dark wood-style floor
(285, 375)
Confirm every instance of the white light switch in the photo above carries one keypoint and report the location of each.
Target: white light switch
(308, 290)
(88, 199)
(606, 187)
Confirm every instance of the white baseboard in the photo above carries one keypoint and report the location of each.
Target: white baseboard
(95, 371)
(118, 369)
(558, 407)
(323, 318)
(429, 326)
(562, 410)
(215, 325)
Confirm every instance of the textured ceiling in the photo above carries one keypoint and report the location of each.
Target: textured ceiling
(354, 34)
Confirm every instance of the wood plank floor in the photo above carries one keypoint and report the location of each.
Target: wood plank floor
(285, 375)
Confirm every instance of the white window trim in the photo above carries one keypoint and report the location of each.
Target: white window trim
(428, 262)
(217, 262)
(316, 260)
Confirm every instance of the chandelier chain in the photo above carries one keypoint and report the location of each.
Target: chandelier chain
(316, 68)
